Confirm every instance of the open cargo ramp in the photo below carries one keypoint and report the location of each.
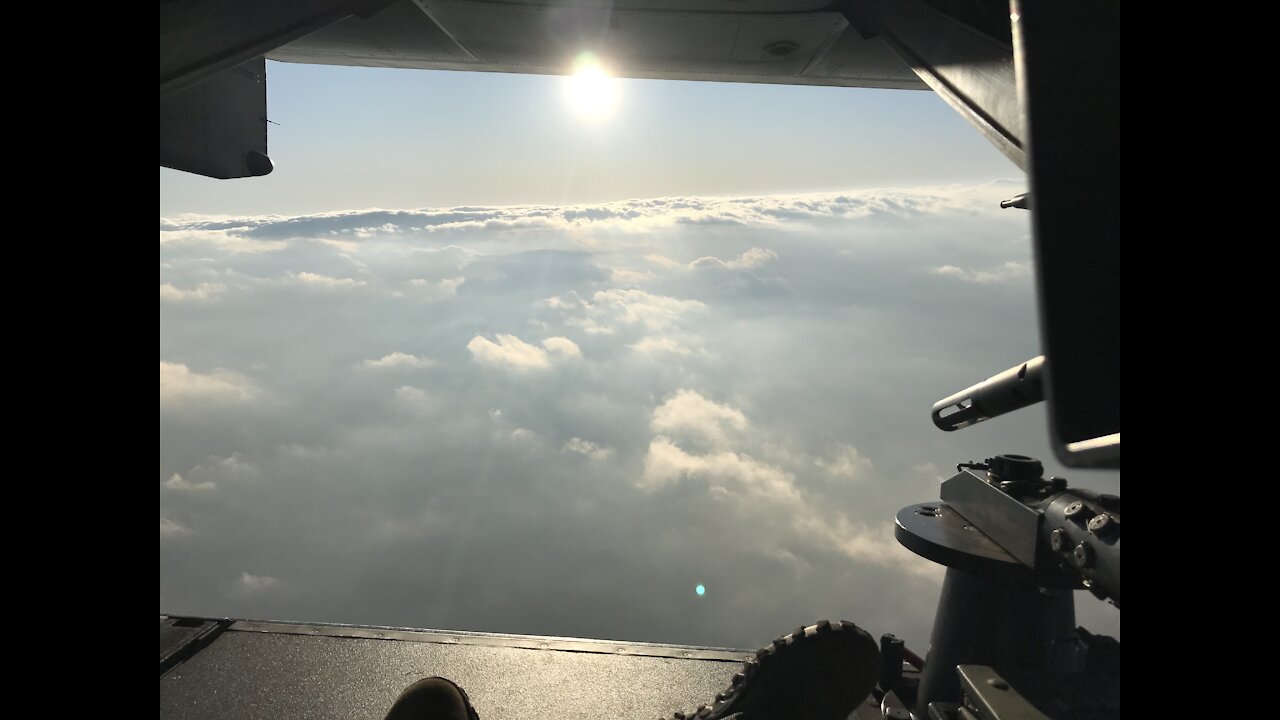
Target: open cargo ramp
(241, 669)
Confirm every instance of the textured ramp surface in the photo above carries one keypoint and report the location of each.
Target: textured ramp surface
(277, 675)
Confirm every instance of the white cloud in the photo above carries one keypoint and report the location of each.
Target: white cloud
(662, 261)
(562, 347)
(727, 472)
(579, 222)
(179, 385)
(177, 482)
(587, 448)
(206, 475)
(751, 259)
(231, 240)
(629, 277)
(657, 345)
(445, 288)
(523, 435)
(689, 415)
(414, 399)
(324, 281)
(608, 309)
(929, 470)
(200, 293)
(234, 464)
(1012, 270)
(769, 497)
(170, 528)
(847, 462)
(637, 307)
(588, 324)
(515, 354)
(509, 351)
(249, 584)
(860, 542)
(567, 302)
(399, 360)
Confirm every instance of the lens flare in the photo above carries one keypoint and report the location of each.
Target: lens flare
(590, 91)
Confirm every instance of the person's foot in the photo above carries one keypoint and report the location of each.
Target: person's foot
(819, 672)
(433, 698)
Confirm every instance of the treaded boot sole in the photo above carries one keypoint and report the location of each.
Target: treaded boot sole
(433, 698)
(818, 672)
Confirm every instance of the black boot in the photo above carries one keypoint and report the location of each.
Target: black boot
(433, 698)
(819, 672)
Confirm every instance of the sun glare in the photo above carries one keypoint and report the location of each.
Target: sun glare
(590, 91)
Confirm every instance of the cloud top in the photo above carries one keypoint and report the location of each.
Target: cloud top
(180, 384)
(512, 353)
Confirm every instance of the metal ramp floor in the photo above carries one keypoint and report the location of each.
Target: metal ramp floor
(249, 669)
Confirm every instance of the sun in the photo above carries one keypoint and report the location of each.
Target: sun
(591, 93)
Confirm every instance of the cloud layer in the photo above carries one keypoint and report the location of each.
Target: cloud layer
(560, 420)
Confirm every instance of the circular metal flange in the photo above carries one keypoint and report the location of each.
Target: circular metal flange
(936, 532)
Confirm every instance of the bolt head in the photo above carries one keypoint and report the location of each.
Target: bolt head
(1073, 509)
(1083, 555)
(1058, 540)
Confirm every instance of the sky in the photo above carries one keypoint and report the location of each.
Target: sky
(352, 138)
(467, 360)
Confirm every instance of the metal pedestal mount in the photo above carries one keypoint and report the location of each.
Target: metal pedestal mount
(1011, 542)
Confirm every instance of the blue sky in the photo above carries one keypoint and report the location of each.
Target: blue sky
(362, 137)
(465, 361)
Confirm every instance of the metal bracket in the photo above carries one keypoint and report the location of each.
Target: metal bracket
(973, 72)
(182, 637)
(990, 697)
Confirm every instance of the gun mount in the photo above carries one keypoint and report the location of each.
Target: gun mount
(1016, 546)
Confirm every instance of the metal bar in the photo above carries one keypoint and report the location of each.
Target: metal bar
(211, 629)
(530, 642)
(1013, 389)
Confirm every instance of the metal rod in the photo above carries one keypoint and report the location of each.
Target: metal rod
(1013, 389)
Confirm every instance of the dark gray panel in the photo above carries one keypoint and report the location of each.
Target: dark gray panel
(725, 40)
(720, 6)
(398, 36)
(855, 58)
(272, 675)
(218, 127)
(1069, 75)
(201, 37)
